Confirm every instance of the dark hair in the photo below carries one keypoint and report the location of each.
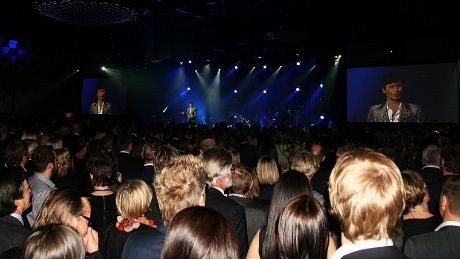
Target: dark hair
(42, 156)
(100, 87)
(291, 184)
(451, 156)
(451, 190)
(10, 189)
(302, 229)
(124, 141)
(102, 168)
(14, 153)
(390, 78)
(241, 178)
(200, 232)
(53, 241)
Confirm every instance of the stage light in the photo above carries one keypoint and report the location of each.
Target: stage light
(78, 70)
(181, 63)
(265, 91)
(391, 51)
(259, 57)
(190, 61)
(298, 63)
(196, 71)
(265, 66)
(103, 68)
(188, 88)
(321, 85)
(297, 89)
(235, 91)
(236, 67)
(280, 67)
(321, 117)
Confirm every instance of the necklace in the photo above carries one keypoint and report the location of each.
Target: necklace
(101, 190)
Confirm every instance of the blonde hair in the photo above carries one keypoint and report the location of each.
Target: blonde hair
(179, 185)
(133, 199)
(415, 188)
(63, 161)
(367, 195)
(148, 152)
(305, 163)
(267, 170)
(55, 142)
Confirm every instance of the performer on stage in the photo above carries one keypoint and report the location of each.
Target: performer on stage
(191, 115)
(101, 106)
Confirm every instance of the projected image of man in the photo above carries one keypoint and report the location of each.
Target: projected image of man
(394, 109)
(101, 106)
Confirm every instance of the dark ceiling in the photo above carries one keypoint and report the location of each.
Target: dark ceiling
(239, 30)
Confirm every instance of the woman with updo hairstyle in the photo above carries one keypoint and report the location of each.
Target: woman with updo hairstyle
(417, 219)
(53, 241)
(302, 230)
(200, 232)
(64, 177)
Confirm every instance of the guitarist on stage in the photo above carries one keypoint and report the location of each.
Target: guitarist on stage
(191, 115)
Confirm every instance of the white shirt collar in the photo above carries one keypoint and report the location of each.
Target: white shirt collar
(360, 245)
(18, 217)
(148, 164)
(431, 166)
(124, 152)
(220, 190)
(448, 223)
(237, 195)
(394, 117)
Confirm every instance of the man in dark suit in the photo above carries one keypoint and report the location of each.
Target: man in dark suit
(100, 106)
(178, 186)
(367, 196)
(432, 175)
(256, 210)
(394, 110)
(443, 242)
(14, 200)
(129, 166)
(217, 164)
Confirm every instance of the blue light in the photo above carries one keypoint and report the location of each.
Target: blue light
(4, 51)
(321, 117)
(235, 91)
(236, 67)
(321, 85)
(12, 44)
(190, 61)
(188, 88)
(181, 63)
(265, 91)
(265, 66)
(297, 89)
(298, 63)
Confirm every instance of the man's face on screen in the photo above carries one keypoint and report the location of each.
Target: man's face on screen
(394, 91)
(101, 94)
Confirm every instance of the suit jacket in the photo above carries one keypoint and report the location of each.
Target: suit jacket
(434, 181)
(147, 244)
(409, 113)
(234, 213)
(147, 174)
(107, 109)
(12, 233)
(256, 214)
(385, 252)
(129, 166)
(40, 186)
(440, 244)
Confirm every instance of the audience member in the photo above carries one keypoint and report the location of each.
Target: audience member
(267, 172)
(432, 175)
(304, 162)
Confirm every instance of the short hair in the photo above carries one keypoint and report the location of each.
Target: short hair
(133, 199)
(415, 188)
(14, 153)
(451, 156)
(11, 189)
(241, 179)
(63, 162)
(289, 185)
(125, 140)
(207, 143)
(267, 170)
(431, 155)
(102, 168)
(55, 142)
(42, 156)
(60, 206)
(100, 87)
(200, 232)
(217, 163)
(302, 229)
(367, 194)
(163, 156)
(390, 78)
(304, 162)
(53, 241)
(451, 190)
(179, 185)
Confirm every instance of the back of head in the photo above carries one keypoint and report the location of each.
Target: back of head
(302, 229)
(63, 162)
(207, 143)
(200, 232)
(42, 156)
(241, 179)
(59, 208)
(451, 190)
(304, 162)
(52, 242)
(217, 163)
(133, 199)
(102, 169)
(11, 189)
(125, 141)
(431, 155)
(451, 159)
(289, 185)
(367, 195)
(148, 152)
(415, 189)
(14, 153)
(267, 170)
(180, 185)
(163, 156)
